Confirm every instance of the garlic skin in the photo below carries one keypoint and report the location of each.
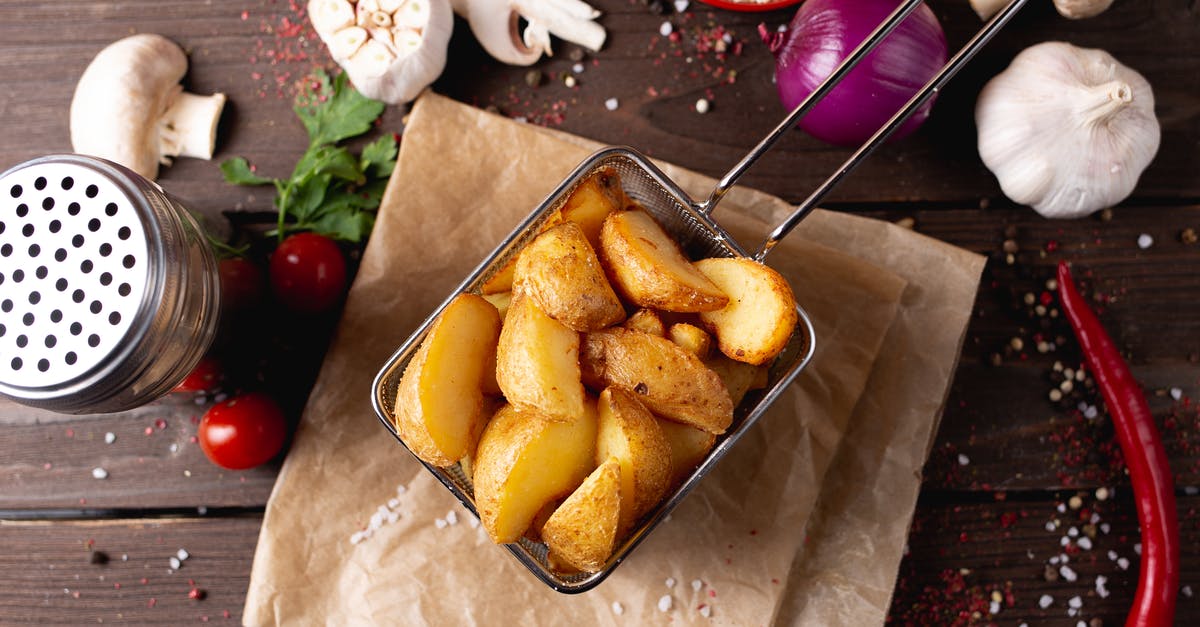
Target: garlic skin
(390, 49)
(1066, 130)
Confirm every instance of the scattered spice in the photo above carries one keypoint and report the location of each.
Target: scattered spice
(1188, 236)
(197, 594)
(1145, 241)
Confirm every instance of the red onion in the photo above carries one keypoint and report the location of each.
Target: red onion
(824, 32)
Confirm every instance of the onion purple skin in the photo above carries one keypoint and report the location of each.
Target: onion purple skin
(823, 33)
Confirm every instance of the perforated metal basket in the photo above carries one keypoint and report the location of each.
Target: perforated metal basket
(690, 223)
(108, 290)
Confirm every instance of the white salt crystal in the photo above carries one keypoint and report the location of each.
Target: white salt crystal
(1122, 563)
(1112, 555)
(1176, 393)
(110, 437)
(1067, 573)
(182, 554)
(611, 104)
(963, 460)
(681, 6)
(1085, 543)
(617, 608)
(1145, 241)
(175, 563)
(1075, 602)
(670, 582)
(1137, 548)
(451, 518)
(440, 523)
(1045, 601)
(664, 603)
(702, 105)
(1100, 589)
(99, 473)
(665, 29)
(705, 611)
(1050, 525)
(696, 585)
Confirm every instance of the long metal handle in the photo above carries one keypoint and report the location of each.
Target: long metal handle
(831, 81)
(932, 87)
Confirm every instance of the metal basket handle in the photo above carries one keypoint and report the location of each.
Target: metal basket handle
(934, 85)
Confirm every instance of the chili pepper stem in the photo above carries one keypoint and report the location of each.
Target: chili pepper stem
(1149, 471)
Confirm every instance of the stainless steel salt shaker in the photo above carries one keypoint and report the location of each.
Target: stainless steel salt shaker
(109, 293)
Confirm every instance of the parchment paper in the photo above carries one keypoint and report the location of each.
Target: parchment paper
(464, 179)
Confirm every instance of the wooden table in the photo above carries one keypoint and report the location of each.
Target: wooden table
(1000, 486)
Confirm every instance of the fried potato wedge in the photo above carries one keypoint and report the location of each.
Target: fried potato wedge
(688, 445)
(758, 321)
(630, 433)
(559, 271)
(667, 379)
(693, 338)
(440, 408)
(524, 461)
(739, 377)
(646, 266)
(537, 362)
(501, 301)
(582, 532)
(592, 200)
(646, 321)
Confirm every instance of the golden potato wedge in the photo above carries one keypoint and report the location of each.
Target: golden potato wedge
(759, 319)
(689, 446)
(666, 378)
(559, 271)
(630, 433)
(592, 200)
(439, 402)
(691, 337)
(525, 460)
(646, 321)
(537, 362)
(501, 301)
(646, 266)
(739, 377)
(582, 532)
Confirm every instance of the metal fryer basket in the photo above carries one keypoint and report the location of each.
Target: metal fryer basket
(689, 222)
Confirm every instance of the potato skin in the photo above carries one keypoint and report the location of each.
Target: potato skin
(537, 361)
(439, 403)
(583, 530)
(756, 324)
(646, 266)
(561, 273)
(524, 461)
(667, 379)
(646, 321)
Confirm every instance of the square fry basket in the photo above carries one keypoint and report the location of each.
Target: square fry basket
(690, 224)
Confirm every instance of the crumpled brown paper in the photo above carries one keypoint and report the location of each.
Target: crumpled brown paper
(357, 532)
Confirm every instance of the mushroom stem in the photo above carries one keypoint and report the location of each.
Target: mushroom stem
(188, 128)
(570, 20)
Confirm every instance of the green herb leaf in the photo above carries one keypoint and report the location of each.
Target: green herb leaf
(237, 171)
(379, 157)
(351, 226)
(337, 162)
(332, 112)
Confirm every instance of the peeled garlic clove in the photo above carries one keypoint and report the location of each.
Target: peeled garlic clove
(390, 49)
(1066, 130)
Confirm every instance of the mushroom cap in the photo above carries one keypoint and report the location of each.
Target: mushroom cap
(120, 97)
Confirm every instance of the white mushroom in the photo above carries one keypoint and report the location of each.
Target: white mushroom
(129, 107)
(390, 49)
(496, 24)
(1073, 9)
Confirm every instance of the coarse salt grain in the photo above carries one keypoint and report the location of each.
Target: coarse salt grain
(1145, 241)
(569, 81)
(664, 603)
(705, 611)
(702, 105)
(1122, 563)
(440, 523)
(963, 460)
(1112, 555)
(1084, 543)
(611, 104)
(1104, 527)
(473, 522)
(110, 437)
(1176, 393)
(577, 68)
(1064, 541)
(1100, 589)
(993, 608)
(617, 608)
(99, 473)
(452, 517)
(182, 554)
(1075, 602)
(1091, 412)
(1051, 525)
(1137, 548)
(1068, 574)
(681, 6)
(1045, 601)
(1054, 561)
(1062, 508)
(174, 562)
(1073, 531)
(670, 582)
(696, 585)
(1186, 590)
(665, 29)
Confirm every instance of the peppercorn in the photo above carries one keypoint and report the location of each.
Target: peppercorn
(98, 557)
(1010, 246)
(533, 78)
(1188, 236)
(1050, 573)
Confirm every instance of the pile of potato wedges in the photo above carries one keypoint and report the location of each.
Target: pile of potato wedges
(591, 375)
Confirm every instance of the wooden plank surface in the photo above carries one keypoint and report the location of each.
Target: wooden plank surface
(1001, 437)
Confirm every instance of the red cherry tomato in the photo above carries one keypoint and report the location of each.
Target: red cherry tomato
(205, 376)
(243, 432)
(308, 273)
(242, 283)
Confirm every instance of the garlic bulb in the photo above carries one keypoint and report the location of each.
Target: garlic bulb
(390, 49)
(1066, 130)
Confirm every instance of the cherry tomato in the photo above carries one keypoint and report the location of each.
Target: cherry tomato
(243, 432)
(308, 273)
(205, 376)
(242, 283)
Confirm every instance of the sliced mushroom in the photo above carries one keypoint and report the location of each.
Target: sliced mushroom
(129, 107)
(496, 24)
(390, 49)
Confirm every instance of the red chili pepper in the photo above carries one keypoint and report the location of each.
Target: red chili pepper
(1153, 488)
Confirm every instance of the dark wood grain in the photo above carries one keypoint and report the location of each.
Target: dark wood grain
(1006, 455)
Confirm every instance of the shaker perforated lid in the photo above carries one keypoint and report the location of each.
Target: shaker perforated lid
(73, 272)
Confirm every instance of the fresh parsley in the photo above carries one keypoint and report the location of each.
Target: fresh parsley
(330, 191)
